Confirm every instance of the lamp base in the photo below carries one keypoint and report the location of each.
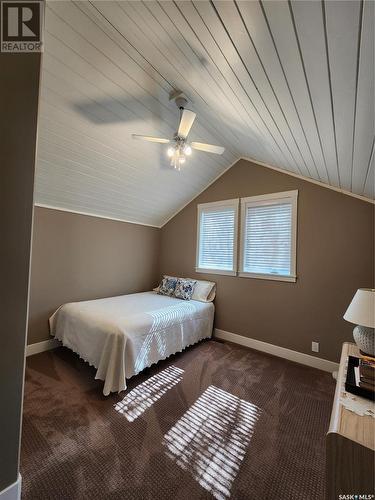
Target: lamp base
(365, 339)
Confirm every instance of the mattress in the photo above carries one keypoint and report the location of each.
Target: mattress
(120, 336)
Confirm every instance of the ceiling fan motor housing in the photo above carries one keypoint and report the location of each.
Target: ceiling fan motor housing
(179, 98)
(181, 101)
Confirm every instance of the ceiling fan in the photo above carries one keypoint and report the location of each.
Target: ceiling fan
(180, 148)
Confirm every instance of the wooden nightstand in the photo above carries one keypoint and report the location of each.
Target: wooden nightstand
(350, 444)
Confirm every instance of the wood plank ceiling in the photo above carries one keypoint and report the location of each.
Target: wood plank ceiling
(290, 84)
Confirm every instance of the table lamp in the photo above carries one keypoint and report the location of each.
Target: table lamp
(361, 311)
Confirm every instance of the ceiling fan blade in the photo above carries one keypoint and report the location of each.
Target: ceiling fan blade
(209, 148)
(186, 122)
(150, 138)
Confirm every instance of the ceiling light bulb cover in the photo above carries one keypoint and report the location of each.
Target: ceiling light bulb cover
(187, 150)
(170, 152)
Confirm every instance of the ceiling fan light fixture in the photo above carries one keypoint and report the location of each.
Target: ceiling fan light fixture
(180, 148)
(177, 161)
(177, 156)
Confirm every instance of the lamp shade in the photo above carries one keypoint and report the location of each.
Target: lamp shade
(361, 310)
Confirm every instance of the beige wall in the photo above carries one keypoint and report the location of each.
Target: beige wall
(77, 257)
(19, 89)
(335, 256)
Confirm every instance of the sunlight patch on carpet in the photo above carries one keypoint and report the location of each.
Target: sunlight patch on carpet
(211, 438)
(142, 397)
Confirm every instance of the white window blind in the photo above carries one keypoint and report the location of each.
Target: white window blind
(217, 237)
(268, 236)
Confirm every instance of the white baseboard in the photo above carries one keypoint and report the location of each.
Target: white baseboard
(281, 352)
(46, 345)
(13, 491)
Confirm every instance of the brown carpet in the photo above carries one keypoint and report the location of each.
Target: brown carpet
(215, 421)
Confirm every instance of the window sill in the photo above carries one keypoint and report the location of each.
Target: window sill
(216, 271)
(272, 277)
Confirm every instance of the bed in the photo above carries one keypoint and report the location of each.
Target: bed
(120, 336)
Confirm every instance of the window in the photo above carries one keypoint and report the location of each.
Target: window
(268, 236)
(217, 237)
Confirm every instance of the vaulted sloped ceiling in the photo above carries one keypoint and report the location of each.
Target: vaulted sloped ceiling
(290, 84)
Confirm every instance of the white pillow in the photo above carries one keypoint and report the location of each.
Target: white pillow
(204, 291)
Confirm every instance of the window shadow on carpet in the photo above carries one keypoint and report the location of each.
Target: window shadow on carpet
(211, 438)
(142, 397)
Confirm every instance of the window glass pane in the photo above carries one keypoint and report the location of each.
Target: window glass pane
(216, 241)
(268, 239)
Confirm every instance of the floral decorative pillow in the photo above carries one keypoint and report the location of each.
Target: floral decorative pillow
(184, 289)
(168, 286)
